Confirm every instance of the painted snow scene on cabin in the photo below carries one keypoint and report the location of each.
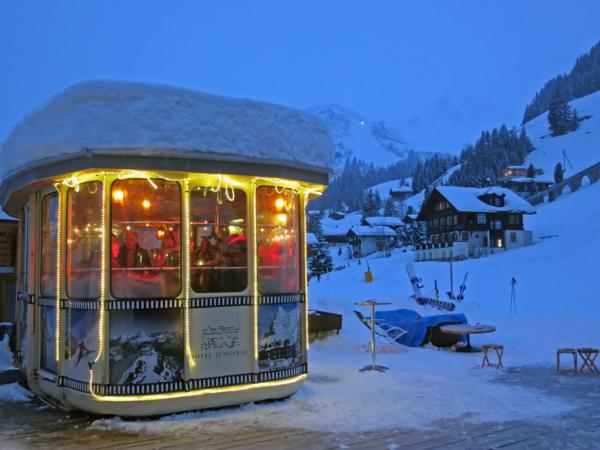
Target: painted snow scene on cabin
(279, 336)
(81, 346)
(145, 347)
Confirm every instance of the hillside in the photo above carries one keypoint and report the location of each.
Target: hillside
(356, 136)
(582, 145)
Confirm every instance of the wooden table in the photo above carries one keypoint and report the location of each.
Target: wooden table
(373, 365)
(468, 330)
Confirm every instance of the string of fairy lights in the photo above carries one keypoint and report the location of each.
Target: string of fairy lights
(223, 186)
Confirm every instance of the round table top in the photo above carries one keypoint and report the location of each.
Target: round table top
(464, 328)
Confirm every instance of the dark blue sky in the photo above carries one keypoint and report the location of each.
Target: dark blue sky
(442, 70)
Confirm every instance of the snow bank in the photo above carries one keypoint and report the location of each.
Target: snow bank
(148, 119)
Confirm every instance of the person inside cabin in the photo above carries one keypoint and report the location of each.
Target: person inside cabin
(131, 255)
(115, 247)
(207, 257)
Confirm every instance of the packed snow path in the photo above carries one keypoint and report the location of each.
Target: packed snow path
(29, 424)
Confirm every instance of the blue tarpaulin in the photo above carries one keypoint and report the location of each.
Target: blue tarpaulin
(415, 325)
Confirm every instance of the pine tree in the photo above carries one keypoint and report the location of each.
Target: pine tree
(560, 116)
(320, 261)
(558, 173)
(370, 206)
(389, 209)
(530, 171)
(313, 223)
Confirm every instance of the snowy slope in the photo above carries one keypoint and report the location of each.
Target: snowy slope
(355, 136)
(384, 188)
(582, 145)
(332, 227)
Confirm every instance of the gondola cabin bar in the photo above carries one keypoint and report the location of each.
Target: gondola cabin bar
(162, 249)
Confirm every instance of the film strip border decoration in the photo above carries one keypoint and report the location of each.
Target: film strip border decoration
(201, 302)
(279, 299)
(216, 302)
(179, 386)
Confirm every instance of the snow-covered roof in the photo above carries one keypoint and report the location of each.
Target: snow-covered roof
(311, 239)
(333, 227)
(402, 189)
(129, 118)
(384, 221)
(363, 230)
(467, 199)
(4, 216)
(518, 167)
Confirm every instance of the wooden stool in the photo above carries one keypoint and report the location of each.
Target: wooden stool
(588, 355)
(568, 351)
(499, 351)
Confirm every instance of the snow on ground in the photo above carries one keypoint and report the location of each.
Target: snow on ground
(582, 145)
(557, 305)
(11, 392)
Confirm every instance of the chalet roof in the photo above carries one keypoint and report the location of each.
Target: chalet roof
(465, 199)
(518, 167)
(365, 231)
(404, 188)
(4, 217)
(387, 221)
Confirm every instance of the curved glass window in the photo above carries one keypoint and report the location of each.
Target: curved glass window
(48, 245)
(145, 240)
(84, 240)
(277, 223)
(219, 255)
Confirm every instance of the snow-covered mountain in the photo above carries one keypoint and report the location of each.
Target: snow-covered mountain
(357, 136)
(582, 146)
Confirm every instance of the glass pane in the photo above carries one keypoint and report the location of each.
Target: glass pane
(48, 338)
(219, 255)
(145, 240)
(49, 237)
(84, 240)
(277, 234)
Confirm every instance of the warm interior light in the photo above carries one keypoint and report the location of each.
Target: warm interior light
(118, 196)
(146, 203)
(160, 233)
(279, 204)
(282, 219)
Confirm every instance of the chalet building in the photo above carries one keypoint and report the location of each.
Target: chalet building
(472, 222)
(525, 187)
(366, 240)
(520, 171)
(401, 193)
(8, 245)
(383, 221)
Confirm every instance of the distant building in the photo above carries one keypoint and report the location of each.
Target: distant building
(471, 222)
(366, 240)
(383, 221)
(527, 186)
(520, 171)
(402, 192)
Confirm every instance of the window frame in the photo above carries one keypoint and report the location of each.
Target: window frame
(299, 241)
(109, 234)
(67, 253)
(41, 251)
(249, 243)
